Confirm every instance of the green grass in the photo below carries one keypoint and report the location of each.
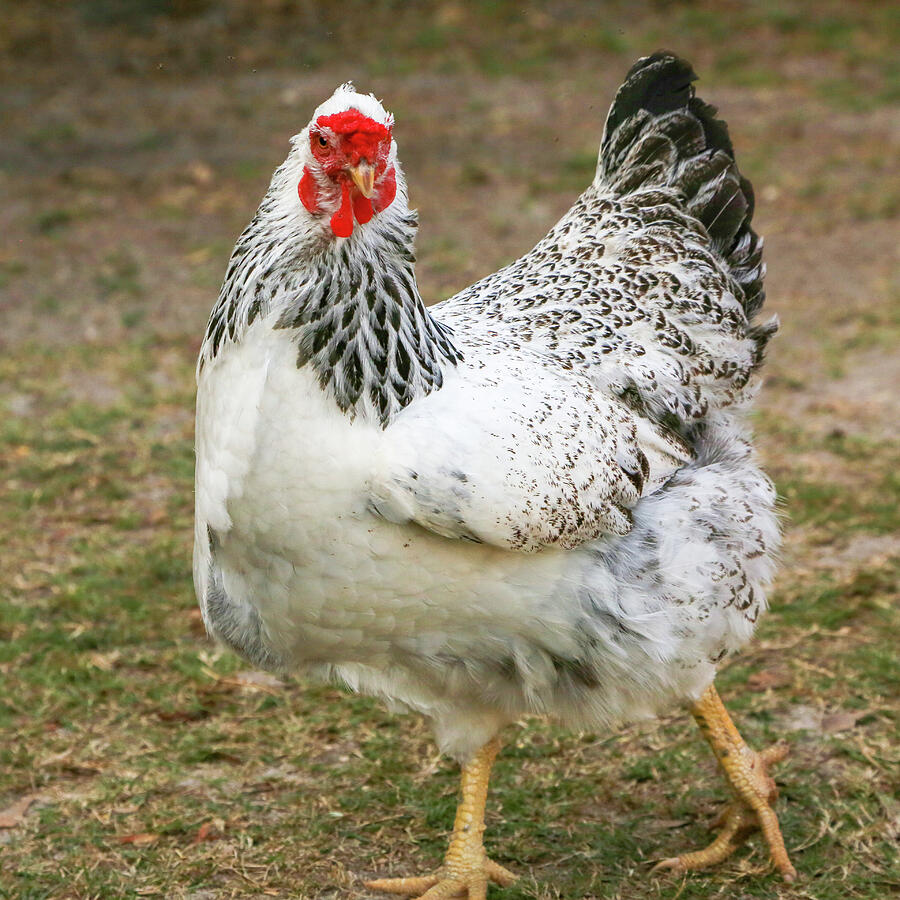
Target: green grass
(127, 723)
(137, 738)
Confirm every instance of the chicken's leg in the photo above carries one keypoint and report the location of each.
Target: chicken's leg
(747, 772)
(467, 870)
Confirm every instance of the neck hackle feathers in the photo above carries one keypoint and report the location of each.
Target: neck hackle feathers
(353, 304)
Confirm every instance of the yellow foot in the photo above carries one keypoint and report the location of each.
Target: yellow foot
(751, 810)
(469, 881)
(466, 871)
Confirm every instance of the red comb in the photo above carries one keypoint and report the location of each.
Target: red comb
(352, 120)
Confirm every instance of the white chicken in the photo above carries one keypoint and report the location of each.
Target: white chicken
(538, 496)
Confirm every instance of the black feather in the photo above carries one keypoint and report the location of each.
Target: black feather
(659, 134)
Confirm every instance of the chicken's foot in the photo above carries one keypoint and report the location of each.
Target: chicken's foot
(747, 773)
(466, 871)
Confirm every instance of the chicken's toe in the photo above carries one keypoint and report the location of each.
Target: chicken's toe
(406, 886)
(470, 882)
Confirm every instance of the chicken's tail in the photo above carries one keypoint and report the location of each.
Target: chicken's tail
(659, 134)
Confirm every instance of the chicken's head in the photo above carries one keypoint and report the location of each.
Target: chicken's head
(349, 162)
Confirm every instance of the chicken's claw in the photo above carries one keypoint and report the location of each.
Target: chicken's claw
(466, 871)
(472, 882)
(755, 790)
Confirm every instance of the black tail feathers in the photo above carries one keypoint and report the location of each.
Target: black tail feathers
(659, 133)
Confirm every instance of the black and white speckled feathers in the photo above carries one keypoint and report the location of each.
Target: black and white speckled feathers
(354, 307)
(650, 282)
(659, 133)
(363, 327)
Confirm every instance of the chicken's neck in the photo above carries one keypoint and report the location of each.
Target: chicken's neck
(356, 313)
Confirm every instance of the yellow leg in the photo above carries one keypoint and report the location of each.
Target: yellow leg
(747, 773)
(467, 870)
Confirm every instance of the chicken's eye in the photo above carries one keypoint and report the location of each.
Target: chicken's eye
(323, 142)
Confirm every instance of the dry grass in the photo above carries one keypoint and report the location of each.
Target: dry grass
(138, 761)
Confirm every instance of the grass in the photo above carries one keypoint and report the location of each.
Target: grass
(159, 769)
(157, 765)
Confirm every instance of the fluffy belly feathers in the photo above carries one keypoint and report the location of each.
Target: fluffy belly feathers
(285, 491)
(617, 628)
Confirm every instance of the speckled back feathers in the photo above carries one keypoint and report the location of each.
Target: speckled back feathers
(650, 282)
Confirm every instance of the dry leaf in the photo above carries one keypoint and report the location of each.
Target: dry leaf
(106, 662)
(762, 681)
(142, 839)
(201, 173)
(803, 718)
(841, 721)
(807, 718)
(207, 832)
(156, 515)
(259, 680)
(250, 681)
(127, 810)
(15, 814)
(195, 622)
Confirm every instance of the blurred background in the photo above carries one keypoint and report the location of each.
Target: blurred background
(136, 759)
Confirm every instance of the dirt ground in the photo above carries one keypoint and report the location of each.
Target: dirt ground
(137, 140)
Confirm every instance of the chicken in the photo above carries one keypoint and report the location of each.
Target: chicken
(537, 497)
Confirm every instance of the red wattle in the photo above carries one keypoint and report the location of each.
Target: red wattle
(362, 209)
(387, 190)
(308, 191)
(342, 220)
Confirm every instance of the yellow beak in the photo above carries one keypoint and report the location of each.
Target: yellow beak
(363, 176)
